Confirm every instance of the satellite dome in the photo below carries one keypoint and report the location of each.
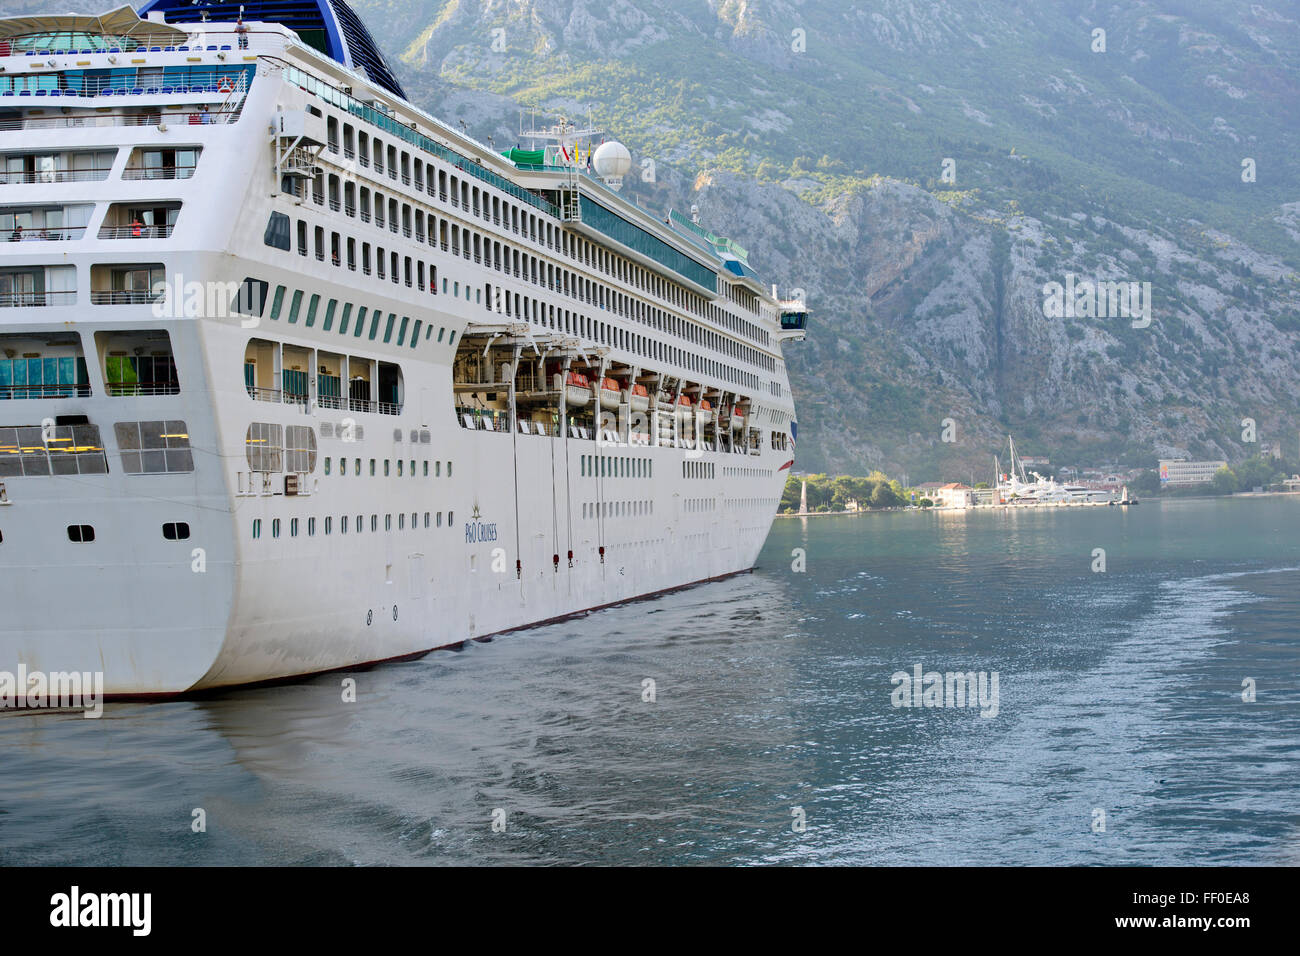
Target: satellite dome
(611, 160)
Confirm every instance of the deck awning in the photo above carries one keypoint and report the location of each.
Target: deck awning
(122, 22)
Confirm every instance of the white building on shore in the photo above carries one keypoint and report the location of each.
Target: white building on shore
(1180, 471)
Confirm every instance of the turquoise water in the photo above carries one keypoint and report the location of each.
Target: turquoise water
(1119, 692)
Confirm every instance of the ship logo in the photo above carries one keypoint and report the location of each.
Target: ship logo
(477, 531)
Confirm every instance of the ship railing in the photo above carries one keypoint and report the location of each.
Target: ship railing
(124, 297)
(481, 419)
(293, 398)
(55, 176)
(36, 299)
(44, 391)
(49, 233)
(263, 394)
(198, 118)
(158, 172)
(129, 389)
(38, 43)
(337, 402)
(135, 232)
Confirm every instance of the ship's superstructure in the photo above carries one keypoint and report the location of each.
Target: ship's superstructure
(295, 376)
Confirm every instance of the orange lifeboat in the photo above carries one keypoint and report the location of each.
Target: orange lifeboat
(577, 390)
(737, 418)
(640, 398)
(610, 393)
(684, 408)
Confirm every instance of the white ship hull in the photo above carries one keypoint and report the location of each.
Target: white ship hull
(237, 602)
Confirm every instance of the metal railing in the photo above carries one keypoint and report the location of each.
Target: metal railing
(44, 391)
(158, 172)
(123, 297)
(55, 176)
(263, 394)
(129, 389)
(36, 299)
(50, 233)
(148, 118)
(135, 232)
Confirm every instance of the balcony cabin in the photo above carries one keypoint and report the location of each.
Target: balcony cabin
(29, 286)
(66, 166)
(152, 162)
(127, 284)
(295, 374)
(261, 363)
(329, 379)
(46, 365)
(45, 222)
(281, 373)
(137, 362)
(140, 220)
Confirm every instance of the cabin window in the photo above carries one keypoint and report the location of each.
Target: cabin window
(154, 447)
(277, 234)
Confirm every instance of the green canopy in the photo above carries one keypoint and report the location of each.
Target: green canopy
(525, 157)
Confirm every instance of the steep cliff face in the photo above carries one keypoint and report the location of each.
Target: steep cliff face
(927, 312)
(925, 171)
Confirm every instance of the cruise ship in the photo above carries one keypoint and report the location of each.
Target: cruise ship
(296, 377)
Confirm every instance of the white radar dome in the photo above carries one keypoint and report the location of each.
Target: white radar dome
(611, 160)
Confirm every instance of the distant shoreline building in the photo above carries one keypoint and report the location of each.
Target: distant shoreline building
(1180, 471)
(954, 495)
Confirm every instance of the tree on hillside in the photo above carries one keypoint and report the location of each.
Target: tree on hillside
(1224, 481)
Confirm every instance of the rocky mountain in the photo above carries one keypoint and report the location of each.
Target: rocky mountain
(927, 170)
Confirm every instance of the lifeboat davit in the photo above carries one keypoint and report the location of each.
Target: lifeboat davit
(640, 398)
(610, 394)
(577, 390)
